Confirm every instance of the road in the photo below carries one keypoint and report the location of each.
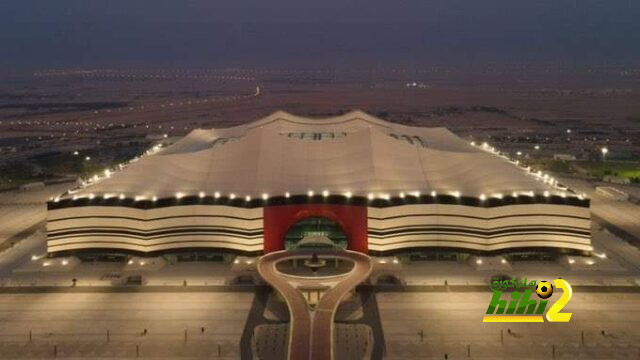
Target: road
(621, 214)
(311, 336)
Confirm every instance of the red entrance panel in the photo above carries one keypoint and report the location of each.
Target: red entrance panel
(278, 220)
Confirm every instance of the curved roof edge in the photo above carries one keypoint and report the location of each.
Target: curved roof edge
(352, 115)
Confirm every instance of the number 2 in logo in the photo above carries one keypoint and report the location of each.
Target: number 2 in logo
(554, 314)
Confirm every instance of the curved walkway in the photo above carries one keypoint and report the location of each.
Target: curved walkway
(311, 337)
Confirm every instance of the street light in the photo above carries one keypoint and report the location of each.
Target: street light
(604, 151)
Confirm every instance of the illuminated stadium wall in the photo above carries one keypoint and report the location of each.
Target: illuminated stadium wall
(483, 229)
(379, 226)
(159, 229)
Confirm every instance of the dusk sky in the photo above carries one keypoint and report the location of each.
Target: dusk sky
(335, 33)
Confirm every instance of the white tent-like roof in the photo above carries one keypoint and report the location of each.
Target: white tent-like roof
(355, 154)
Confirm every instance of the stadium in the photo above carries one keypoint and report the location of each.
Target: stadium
(369, 185)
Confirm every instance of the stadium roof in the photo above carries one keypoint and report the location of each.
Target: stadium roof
(355, 154)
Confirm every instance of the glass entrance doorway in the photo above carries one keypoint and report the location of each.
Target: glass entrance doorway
(315, 226)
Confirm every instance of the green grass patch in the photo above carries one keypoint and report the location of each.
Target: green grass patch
(628, 169)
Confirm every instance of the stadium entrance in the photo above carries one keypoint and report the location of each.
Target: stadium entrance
(315, 226)
(345, 225)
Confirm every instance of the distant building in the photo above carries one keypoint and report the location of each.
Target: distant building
(616, 180)
(564, 157)
(156, 136)
(365, 183)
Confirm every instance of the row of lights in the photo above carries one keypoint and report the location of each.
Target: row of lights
(325, 193)
(384, 261)
(603, 150)
(247, 261)
(539, 175)
(46, 263)
(108, 172)
(587, 261)
(479, 261)
(140, 262)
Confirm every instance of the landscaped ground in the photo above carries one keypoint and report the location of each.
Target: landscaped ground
(628, 169)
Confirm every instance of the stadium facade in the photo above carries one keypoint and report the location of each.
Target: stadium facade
(388, 187)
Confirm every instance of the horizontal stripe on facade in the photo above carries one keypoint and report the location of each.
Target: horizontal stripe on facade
(474, 231)
(53, 219)
(161, 236)
(146, 244)
(477, 230)
(495, 239)
(476, 240)
(483, 228)
(410, 243)
(257, 235)
(479, 249)
(416, 244)
(141, 232)
(155, 247)
(436, 214)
